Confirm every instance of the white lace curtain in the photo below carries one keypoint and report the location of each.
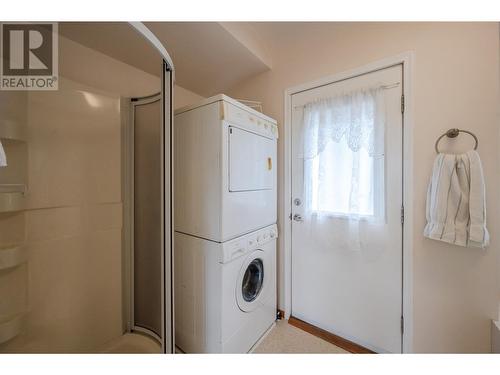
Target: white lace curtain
(343, 139)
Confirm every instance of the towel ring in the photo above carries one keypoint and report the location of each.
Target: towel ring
(453, 133)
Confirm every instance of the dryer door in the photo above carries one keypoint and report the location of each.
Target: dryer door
(251, 281)
(250, 161)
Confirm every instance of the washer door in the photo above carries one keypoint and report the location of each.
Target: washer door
(250, 282)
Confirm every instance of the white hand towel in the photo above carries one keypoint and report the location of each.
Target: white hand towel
(3, 157)
(456, 206)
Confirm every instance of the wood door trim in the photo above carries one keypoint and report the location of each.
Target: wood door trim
(328, 336)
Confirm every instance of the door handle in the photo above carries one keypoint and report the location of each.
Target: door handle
(297, 217)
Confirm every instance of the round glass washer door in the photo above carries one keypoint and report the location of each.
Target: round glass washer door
(253, 280)
(250, 282)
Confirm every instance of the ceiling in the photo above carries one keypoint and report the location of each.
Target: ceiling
(116, 39)
(209, 57)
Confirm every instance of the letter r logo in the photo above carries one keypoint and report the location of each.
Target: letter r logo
(29, 56)
(27, 49)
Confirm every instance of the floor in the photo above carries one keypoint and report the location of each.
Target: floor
(131, 343)
(285, 338)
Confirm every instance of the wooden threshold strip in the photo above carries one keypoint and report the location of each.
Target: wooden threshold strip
(330, 337)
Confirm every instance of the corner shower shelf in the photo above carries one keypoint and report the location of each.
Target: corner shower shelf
(11, 327)
(12, 197)
(11, 131)
(13, 256)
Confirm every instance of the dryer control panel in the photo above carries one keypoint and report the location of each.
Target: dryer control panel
(239, 246)
(239, 117)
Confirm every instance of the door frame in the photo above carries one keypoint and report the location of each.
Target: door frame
(407, 60)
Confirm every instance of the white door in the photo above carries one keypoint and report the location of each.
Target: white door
(346, 208)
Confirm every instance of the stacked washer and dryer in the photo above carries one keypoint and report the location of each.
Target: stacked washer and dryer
(225, 199)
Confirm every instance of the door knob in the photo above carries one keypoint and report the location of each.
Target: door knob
(297, 217)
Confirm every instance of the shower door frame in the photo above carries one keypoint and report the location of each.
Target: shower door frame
(167, 340)
(167, 97)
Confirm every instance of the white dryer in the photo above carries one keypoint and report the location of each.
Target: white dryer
(225, 169)
(225, 293)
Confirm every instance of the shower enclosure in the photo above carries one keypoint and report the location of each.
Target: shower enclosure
(144, 152)
(85, 199)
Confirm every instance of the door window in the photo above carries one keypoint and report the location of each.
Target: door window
(343, 155)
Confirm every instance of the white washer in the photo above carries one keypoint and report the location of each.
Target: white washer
(225, 181)
(225, 293)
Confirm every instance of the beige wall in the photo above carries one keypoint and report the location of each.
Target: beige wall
(73, 221)
(184, 97)
(455, 85)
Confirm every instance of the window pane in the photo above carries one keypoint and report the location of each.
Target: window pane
(344, 155)
(343, 181)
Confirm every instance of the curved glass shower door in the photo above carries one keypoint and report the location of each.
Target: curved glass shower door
(148, 215)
